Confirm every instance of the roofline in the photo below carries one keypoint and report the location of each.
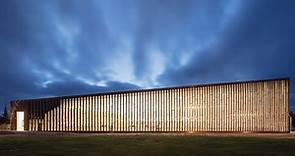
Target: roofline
(151, 89)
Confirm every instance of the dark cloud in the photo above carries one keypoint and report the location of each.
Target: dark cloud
(257, 43)
(172, 26)
(78, 87)
(73, 47)
(52, 48)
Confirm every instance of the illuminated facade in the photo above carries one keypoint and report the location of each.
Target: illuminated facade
(252, 106)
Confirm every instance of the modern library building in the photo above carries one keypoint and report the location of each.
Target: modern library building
(243, 106)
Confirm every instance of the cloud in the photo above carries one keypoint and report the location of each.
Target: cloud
(78, 87)
(255, 44)
(54, 48)
(60, 48)
(172, 27)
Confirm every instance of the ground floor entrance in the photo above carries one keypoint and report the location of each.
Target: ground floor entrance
(20, 120)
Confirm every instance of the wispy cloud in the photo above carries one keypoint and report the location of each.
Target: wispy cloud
(70, 47)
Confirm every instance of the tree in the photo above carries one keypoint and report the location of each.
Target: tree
(4, 118)
(5, 114)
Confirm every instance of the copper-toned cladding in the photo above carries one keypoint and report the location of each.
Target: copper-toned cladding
(251, 106)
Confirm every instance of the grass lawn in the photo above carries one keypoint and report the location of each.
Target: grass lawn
(145, 145)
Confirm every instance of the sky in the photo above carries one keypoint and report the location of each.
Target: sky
(62, 47)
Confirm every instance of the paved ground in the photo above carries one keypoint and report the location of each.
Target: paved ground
(48, 134)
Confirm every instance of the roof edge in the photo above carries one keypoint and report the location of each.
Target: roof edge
(151, 89)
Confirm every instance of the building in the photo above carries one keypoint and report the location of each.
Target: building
(250, 106)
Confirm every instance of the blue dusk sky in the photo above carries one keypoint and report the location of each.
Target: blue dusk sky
(65, 47)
